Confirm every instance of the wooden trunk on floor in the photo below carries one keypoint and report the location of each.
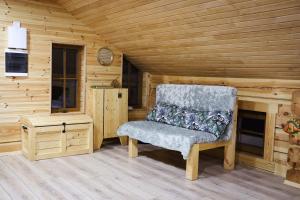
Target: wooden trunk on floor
(109, 111)
(55, 136)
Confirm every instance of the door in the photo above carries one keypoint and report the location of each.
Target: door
(97, 114)
(115, 110)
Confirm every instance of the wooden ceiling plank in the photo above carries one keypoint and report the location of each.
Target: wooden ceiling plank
(200, 14)
(231, 38)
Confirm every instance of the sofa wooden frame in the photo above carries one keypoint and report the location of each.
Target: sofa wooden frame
(192, 162)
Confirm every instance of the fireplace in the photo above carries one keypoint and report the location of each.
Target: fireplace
(251, 132)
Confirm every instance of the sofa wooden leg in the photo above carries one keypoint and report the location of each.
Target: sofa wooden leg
(229, 157)
(123, 140)
(229, 150)
(192, 163)
(133, 148)
(229, 153)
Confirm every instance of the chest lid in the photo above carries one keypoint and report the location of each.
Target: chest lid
(55, 120)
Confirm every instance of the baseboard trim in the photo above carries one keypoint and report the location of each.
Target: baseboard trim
(10, 146)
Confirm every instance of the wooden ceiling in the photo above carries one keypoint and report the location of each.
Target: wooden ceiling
(224, 38)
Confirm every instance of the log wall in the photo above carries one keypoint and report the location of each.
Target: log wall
(46, 23)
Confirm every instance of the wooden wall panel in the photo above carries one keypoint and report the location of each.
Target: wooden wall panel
(217, 38)
(46, 22)
(261, 90)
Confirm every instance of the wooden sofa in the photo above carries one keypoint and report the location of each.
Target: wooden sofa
(188, 142)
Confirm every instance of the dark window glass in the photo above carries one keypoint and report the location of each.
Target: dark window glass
(65, 78)
(16, 62)
(132, 79)
(58, 62)
(71, 62)
(71, 88)
(57, 94)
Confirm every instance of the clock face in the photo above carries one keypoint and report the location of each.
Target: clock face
(105, 56)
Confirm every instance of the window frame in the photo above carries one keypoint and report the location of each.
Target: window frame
(78, 77)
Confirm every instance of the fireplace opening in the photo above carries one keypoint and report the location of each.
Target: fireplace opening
(251, 132)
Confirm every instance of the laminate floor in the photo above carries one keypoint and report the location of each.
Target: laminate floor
(155, 174)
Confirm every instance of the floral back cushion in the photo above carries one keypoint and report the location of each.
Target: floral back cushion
(214, 122)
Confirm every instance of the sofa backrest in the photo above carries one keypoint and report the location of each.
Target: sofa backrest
(198, 97)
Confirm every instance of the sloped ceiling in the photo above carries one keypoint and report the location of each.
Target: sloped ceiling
(227, 38)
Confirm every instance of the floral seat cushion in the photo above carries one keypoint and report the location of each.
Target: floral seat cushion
(214, 122)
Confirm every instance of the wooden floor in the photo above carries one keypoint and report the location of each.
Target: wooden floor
(155, 174)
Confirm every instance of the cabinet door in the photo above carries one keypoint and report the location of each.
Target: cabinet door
(78, 138)
(49, 142)
(115, 110)
(97, 114)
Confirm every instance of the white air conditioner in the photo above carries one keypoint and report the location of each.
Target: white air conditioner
(17, 36)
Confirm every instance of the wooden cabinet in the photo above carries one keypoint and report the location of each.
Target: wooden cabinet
(54, 136)
(109, 111)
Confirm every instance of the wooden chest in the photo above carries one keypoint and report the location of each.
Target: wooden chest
(54, 136)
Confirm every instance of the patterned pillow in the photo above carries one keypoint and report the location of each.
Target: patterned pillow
(165, 113)
(214, 122)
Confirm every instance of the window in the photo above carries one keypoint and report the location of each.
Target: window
(132, 79)
(65, 78)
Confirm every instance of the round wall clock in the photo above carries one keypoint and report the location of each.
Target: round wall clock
(105, 56)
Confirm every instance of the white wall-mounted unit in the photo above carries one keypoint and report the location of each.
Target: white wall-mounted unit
(16, 62)
(17, 36)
